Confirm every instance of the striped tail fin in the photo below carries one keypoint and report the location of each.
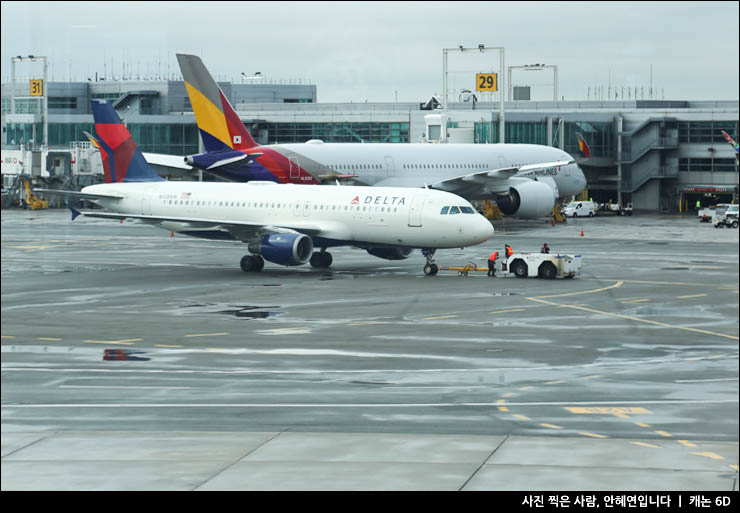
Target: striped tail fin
(219, 125)
(583, 146)
(122, 159)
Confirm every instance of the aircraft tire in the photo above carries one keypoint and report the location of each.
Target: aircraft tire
(247, 263)
(259, 263)
(429, 269)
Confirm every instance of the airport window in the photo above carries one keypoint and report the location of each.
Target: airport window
(444, 210)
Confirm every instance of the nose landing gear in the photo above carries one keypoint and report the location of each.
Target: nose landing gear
(430, 268)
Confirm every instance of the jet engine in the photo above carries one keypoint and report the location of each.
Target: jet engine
(390, 253)
(284, 248)
(527, 198)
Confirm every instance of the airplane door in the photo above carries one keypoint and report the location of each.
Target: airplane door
(501, 162)
(297, 208)
(417, 204)
(146, 204)
(306, 208)
(389, 166)
(294, 168)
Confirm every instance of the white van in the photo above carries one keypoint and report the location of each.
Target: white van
(579, 209)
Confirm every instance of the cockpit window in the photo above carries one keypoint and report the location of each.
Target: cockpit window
(444, 210)
(467, 210)
(454, 210)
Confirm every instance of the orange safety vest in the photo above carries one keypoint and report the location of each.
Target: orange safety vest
(493, 256)
(509, 251)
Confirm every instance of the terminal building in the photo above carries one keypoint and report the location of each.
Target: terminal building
(658, 155)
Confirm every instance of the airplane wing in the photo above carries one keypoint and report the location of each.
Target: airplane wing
(496, 180)
(731, 142)
(167, 161)
(240, 230)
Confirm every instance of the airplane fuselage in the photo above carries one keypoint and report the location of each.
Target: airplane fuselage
(359, 216)
(411, 165)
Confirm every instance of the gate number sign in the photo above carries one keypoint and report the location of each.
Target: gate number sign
(486, 82)
(37, 88)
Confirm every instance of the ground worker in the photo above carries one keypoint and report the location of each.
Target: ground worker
(492, 263)
(545, 248)
(698, 205)
(508, 250)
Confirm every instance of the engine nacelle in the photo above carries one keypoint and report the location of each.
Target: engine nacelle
(390, 253)
(529, 199)
(284, 248)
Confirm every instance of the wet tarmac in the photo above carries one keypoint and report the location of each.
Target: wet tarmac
(120, 332)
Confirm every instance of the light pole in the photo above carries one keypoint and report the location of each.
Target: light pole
(481, 48)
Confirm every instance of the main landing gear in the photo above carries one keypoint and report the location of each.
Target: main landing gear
(253, 263)
(430, 268)
(321, 260)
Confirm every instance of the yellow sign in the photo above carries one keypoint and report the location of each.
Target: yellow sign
(486, 82)
(37, 88)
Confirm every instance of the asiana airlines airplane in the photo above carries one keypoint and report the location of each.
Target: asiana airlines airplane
(525, 180)
(281, 223)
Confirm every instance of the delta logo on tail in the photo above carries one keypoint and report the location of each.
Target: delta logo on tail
(122, 160)
(583, 146)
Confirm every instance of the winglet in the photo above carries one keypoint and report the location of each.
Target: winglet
(75, 213)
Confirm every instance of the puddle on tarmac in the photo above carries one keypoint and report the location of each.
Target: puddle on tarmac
(243, 312)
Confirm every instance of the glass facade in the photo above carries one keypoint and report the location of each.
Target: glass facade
(171, 139)
(707, 165)
(343, 132)
(705, 131)
(601, 136)
(22, 106)
(22, 133)
(61, 134)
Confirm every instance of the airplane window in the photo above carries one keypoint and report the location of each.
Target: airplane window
(454, 210)
(467, 210)
(444, 211)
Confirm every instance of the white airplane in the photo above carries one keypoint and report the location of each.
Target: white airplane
(524, 179)
(281, 223)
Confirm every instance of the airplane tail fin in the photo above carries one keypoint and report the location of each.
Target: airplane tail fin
(732, 143)
(219, 125)
(122, 159)
(583, 146)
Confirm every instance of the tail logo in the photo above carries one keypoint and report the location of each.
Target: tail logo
(583, 146)
(237, 139)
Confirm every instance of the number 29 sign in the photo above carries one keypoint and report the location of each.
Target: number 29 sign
(486, 82)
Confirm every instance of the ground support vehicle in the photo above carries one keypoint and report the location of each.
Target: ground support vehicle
(542, 265)
(728, 219)
(615, 209)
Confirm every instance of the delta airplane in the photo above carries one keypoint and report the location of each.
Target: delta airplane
(281, 223)
(525, 180)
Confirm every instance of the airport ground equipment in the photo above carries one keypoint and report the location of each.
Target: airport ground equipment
(711, 213)
(463, 270)
(542, 265)
(729, 218)
(614, 209)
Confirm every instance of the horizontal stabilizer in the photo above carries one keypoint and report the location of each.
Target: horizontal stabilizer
(79, 195)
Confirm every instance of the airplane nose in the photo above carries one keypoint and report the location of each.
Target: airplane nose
(484, 229)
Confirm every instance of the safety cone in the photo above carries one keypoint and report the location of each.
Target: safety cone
(581, 232)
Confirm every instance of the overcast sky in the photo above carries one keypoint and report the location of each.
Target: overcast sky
(377, 51)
